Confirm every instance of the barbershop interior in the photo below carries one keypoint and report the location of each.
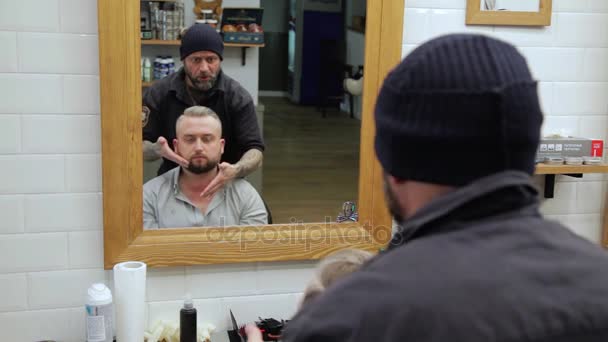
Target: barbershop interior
(77, 263)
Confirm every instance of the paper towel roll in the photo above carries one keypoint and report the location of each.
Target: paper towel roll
(129, 297)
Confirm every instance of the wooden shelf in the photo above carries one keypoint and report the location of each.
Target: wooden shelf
(160, 42)
(550, 171)
(147, 84)
(178, 42)
(544, 169)
(243, 45)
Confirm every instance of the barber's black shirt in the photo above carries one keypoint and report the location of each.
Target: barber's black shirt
(167, 99)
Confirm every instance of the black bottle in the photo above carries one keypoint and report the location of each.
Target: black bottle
(187, 322)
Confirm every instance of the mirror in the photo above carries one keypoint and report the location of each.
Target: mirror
(124, 237)
(511, 5)
(311, 130)
(509, 12)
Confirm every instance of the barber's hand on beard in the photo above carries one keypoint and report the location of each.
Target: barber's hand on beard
(167, 153)
(226, 173)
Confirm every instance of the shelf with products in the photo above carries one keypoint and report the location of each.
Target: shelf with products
(243, 46)
(550, 171)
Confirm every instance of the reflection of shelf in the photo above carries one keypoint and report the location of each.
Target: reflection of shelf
(146, 84)
(549, 171)
(178, 42)
(160, 42)
(243, 47)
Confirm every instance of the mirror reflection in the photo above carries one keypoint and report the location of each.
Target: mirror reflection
(511, 5)
(253, 132)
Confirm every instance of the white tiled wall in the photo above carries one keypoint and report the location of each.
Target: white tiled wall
(51, 238)
(570, 61)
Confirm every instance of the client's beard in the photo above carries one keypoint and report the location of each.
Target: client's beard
(200, 169)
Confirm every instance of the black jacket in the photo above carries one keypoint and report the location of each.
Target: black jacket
(167, 99)
(478, 264)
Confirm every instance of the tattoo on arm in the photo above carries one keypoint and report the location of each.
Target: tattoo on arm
(250, 161)
(151, 150)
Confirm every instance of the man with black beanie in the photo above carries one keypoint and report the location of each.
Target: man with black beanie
(201, 82)
(457, 127)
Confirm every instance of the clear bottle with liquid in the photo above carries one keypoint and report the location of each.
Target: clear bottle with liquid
(100, 314)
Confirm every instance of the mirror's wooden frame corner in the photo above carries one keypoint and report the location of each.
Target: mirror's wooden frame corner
(475, 16)
(124, 237)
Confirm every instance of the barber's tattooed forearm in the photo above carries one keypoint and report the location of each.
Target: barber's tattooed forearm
(151, 150)
(249, 162)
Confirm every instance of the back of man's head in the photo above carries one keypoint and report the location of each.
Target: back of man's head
(458, 108)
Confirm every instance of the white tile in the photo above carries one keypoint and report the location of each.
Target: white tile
(63, 212)
(11, 212)
(33, 252)
(30, 15)
(588, 226)
(32, 174)
(58, 289)
(220, 280)
(61, 134)
(23, 93)
(63, 53)
(527, 36)
(81, 94)
(77, 325)
(208, 311)
(248, 309)
(590, 197)
(10, 134)
(595, 64)
(563, 202)
(83, 173)
(78, 16)
(598, 6)
(555, 64)
(582, 30)
(8, 54)
(545, 95)
(166, 284)
(36, 325)
(13, 292)
(453, 21)
(580, 98)
(570, 5)
(284, 277)
(85, 249)
(455, 4)
(407, 49)
(416, 25)
(594, 127)
(562, 125)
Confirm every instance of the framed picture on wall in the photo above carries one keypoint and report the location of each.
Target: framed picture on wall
(509, 12)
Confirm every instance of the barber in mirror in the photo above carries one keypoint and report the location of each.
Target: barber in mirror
(201, 82)
(173, 198)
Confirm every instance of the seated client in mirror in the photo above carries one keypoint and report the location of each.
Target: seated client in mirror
(174, 199)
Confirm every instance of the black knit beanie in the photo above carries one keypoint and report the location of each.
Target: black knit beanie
(201, 37)
(458, 108)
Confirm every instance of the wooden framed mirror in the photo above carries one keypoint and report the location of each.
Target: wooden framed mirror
(509, 12)
(124, 237)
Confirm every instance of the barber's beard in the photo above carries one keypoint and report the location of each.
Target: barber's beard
(393, 204)
(200, 84)
(202, 168)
